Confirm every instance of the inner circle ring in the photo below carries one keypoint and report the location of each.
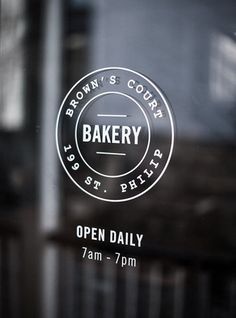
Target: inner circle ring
(76, 139)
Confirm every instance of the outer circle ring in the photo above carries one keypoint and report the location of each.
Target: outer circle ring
(164, 99)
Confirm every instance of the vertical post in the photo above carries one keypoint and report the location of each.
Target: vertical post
(232, 297)
(51, 89)
(155, 283)
(89, 287)
(131, 293)
(110, 292)
(49, 187)
(203, 295)
(179, 293)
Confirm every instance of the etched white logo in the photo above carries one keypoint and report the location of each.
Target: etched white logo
(115, 134)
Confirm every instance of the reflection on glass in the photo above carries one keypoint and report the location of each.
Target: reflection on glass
(223, 68)
(11, 65)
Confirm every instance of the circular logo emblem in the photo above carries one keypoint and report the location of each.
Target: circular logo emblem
(115, 134)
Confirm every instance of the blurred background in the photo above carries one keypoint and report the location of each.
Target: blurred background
(187, 265)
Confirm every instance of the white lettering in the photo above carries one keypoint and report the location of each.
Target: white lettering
(115, 134)
(157, 153)
(147, 95)
(69, 112)
(132, 184)
(86, 133)
(139, 89)
(155, 164)
(126, 131)
(148, 173)
(105, 134)
(111, 134)
(86, 89)
(93, 233)
(131, 83)
(139, 238)
(74, 103)
(88, 180)
(136, 134)
(79, 95)
(158, 114)
(112, 236)
(123, 187)
(96, 134)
